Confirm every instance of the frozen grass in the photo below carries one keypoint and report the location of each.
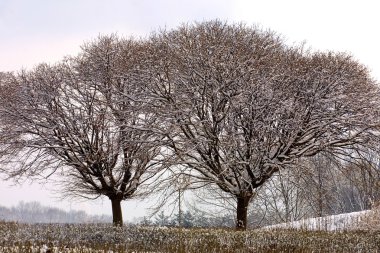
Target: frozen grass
(105, 238)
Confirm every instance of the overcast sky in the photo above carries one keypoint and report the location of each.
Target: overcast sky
(36, 31)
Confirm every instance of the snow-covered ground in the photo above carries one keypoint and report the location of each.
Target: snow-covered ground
(330, 223)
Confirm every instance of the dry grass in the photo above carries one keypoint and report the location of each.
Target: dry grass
(105, 238)
(369, 221)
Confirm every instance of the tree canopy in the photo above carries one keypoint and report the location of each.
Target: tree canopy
(232, 104)
(245, 105)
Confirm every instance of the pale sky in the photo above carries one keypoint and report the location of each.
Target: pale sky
(36, 31)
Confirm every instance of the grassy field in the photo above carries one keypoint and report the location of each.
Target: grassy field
(105, 238)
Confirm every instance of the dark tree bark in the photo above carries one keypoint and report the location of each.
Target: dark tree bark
(117, 215)
(241, 212)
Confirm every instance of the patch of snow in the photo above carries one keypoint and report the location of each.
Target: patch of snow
(328, 223)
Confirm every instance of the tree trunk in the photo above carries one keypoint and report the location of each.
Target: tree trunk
(117, 215)
(241, 212)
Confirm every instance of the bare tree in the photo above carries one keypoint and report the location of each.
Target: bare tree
(232, 104)
(283, 197)
(241, 105)
(68, 118)
(320, 183)
(360, 189)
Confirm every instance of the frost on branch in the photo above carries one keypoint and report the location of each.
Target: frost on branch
(242, 105)
(70, 118)
(230, 103)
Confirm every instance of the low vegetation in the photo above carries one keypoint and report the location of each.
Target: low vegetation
(15, 237)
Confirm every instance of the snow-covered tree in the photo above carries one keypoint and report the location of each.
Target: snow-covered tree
(68, 118)
(231, 104)
(240, 105)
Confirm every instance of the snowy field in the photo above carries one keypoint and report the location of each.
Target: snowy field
(346, 221)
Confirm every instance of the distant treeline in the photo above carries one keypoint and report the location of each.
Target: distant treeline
(34, 212)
